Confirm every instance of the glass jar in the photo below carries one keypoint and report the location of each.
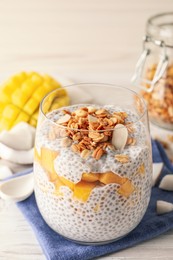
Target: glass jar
(154, 70)
(92, 165)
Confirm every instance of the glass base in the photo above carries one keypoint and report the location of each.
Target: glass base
(94, 243)
(99, 243)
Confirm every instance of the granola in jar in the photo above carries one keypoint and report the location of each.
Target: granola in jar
(154, 70)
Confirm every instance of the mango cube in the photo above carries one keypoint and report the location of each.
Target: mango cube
(141, 169)
(31, 105)
(57, 185)
(82, 190)
(11, 112)
(24, 91)
(66, 182)
(110, 177)
(47, 161)
(21, 117)
(90, 177)
(126, 189)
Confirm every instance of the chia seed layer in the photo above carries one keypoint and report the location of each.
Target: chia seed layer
(106, 215)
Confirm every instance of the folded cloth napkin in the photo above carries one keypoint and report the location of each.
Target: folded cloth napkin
(56, 247)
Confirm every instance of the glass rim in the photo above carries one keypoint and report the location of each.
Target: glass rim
(152, 22)
(96, 84)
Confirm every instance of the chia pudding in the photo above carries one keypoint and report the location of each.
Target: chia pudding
(92, 172)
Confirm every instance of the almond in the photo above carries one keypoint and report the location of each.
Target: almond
(64, 119)
(119, 137)
(92, 119)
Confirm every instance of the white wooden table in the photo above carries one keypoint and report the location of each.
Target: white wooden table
(93, 40)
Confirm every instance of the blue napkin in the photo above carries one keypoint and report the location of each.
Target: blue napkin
(55, 247)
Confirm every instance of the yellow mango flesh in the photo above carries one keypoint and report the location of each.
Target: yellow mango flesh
(58, 183)
(126, 189)
(110, 177)
(37, 157)
(90, 177)
(82, 190)
(66, 182)
(47, 161)
(141, 169)
(20, 97)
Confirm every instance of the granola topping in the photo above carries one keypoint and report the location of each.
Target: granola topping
(91, 130)
(64, 119)
(122, 158)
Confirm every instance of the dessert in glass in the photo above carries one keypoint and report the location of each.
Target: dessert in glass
(93, 166)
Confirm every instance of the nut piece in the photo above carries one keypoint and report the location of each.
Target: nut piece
(131, 141)
(66, 142)
(92, 119)
(114, 120)
(119, 137)
(81, 113)
(130, 128)
(122, 158)
(91, 109)
(100, 111)
(75, 148)
(97, 137)
(64, 119)
(90, 130)
(98, 152)
(85, 154)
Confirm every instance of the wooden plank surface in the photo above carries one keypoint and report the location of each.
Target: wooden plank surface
(93, 40)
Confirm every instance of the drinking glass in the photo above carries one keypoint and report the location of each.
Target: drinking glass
(92, 165)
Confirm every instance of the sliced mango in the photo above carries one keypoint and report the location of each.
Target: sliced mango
(82, 190)
(66, 182)
(37, 157)
(110, 177)
(141, 169)
(126, 189)
(58, 183)
(90, 177)
(47, 161)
